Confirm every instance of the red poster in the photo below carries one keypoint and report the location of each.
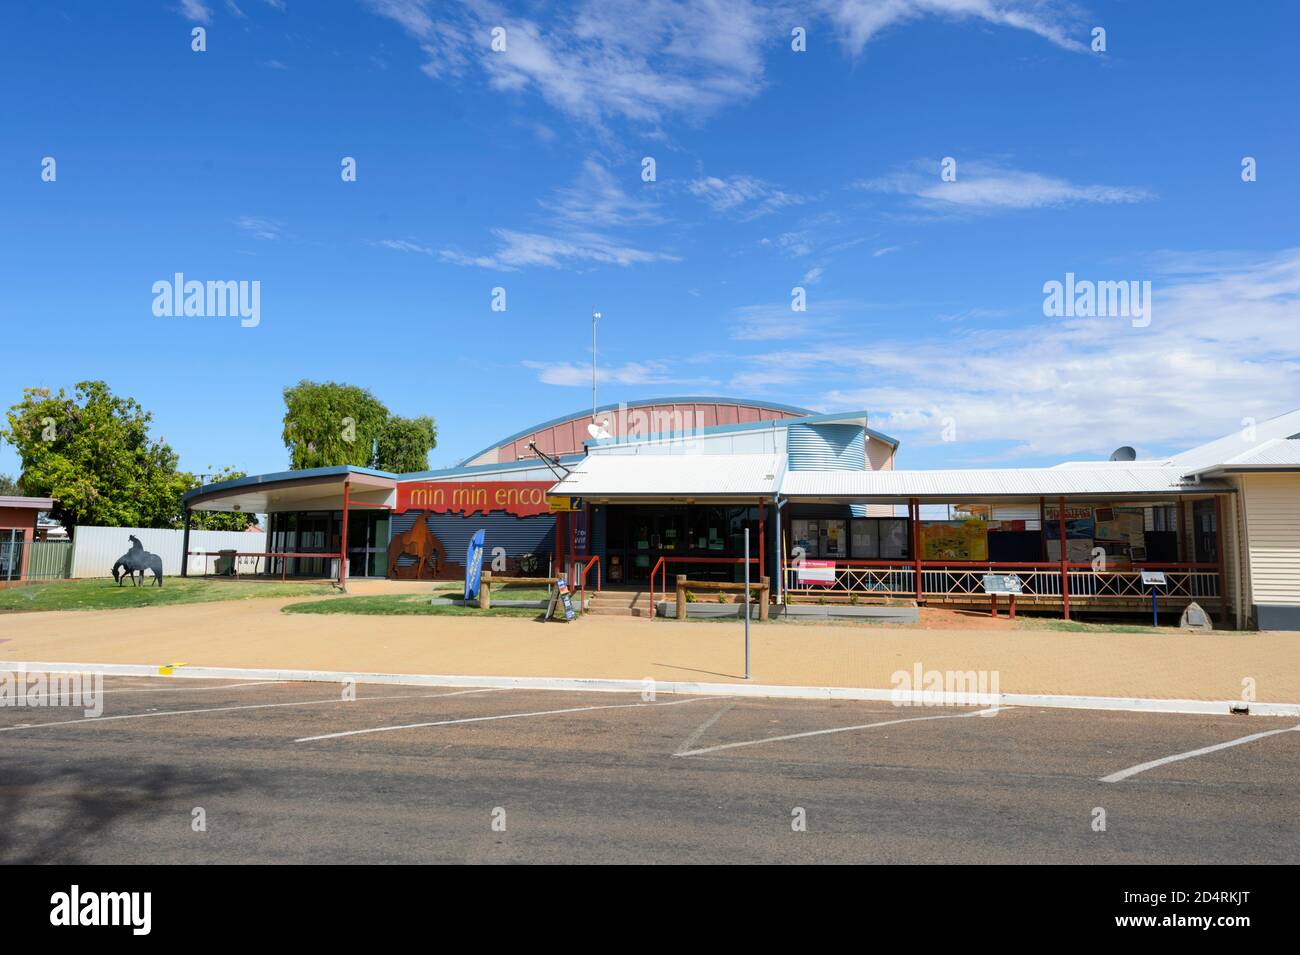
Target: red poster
(521, 498)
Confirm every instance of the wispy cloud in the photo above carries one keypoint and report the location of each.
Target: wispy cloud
(777, 320)
(403, 245)
(195, 10)
(987, 187)
(644, 60)
(1221, 347)
(517, 250)
(574, 374)
(745, 196)
(861, 21)
(581, 226)
(261, 228)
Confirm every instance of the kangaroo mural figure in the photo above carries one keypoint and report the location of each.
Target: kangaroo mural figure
(422, 544)
(137, 559)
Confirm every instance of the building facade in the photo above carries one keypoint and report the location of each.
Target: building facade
(641, 493)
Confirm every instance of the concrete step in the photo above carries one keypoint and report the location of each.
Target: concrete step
(619, 599)
(607, 611)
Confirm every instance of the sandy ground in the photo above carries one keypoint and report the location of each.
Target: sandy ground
(253, 633)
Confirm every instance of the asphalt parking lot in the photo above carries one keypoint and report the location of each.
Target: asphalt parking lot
(293, 772)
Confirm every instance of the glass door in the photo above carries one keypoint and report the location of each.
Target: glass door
(367, 543)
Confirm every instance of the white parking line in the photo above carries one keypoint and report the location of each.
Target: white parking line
(837, 729)
(502, 716)
(1143, 767)
(702, 729)
(225, 709)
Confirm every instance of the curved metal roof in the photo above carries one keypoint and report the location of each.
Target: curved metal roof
(614, 406)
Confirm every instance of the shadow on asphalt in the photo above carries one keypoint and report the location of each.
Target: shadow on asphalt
(52, 814)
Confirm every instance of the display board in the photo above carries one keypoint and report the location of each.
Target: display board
(955, 540)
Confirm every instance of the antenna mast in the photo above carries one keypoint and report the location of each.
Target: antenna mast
(594, 315)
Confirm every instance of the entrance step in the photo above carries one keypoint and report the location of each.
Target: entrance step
(624, 603)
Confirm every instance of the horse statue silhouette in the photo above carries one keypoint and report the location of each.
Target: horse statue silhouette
(137, 559)
(422, 544)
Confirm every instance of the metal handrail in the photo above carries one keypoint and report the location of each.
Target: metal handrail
(582, 578)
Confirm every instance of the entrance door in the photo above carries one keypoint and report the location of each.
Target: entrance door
(367, 543)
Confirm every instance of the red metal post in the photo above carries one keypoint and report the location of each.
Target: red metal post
(343, 542)
(1065, 557)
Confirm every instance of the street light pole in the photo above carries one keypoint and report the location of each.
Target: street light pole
(594, 315)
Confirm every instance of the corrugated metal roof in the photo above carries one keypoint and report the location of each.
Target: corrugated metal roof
(1278, 453)
(1244, 441)
(997, 482)
(674, 475)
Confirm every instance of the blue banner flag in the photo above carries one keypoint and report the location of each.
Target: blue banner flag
(473, 565)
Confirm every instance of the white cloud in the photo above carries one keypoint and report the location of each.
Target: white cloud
(777, 320)
(746, 196)
(813, 275)
(987, 187)
(579, 230)
(632, 59)
(651, 60)
(598, 198)
(1222, 345)
(860, 21)
(518, 250)
(195, 10)
(261, 228)
(404, 245)
(575, 374)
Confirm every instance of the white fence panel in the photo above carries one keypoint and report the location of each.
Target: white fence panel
(96, 549)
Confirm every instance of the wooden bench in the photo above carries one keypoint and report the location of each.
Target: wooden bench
(488, 579)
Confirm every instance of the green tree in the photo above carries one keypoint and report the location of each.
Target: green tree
(328, 424)
(404, 444)
(9, 487)
(92, 453)
(220, 520)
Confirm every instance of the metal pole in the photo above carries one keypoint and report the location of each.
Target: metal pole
(746, 603)
(594, 315)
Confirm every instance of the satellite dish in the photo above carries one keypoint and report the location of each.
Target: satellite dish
(600, 431)
(1124, 453)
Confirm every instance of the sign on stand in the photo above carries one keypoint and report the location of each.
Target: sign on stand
(561, 595)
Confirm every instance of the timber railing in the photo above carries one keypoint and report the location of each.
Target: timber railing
(661, 567)
(763, 585)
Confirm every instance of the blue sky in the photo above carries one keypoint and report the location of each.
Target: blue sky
(521, 169)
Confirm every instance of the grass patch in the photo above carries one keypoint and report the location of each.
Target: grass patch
(104, 594)
(1078, 626)
(402, 605)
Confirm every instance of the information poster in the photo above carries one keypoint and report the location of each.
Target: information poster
(803, 536)
(832, 539)
(955, 540)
